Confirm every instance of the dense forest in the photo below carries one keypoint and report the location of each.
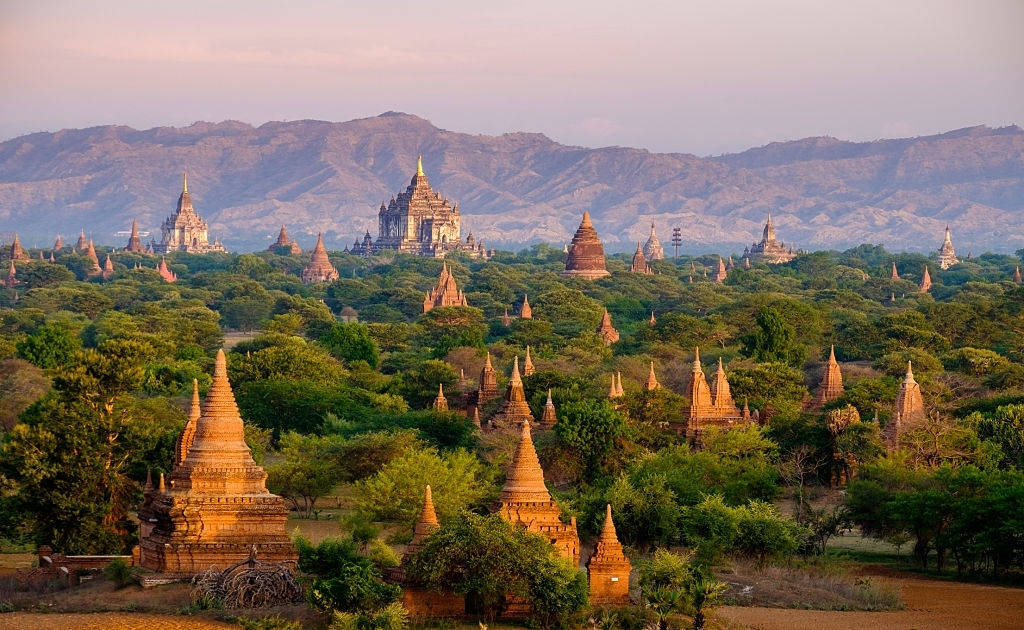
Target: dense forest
(336, 382)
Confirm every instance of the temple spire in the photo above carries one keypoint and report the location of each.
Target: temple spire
(608, 529)
(525, 481)
(419, 166)
(184, 182)
(652, 380)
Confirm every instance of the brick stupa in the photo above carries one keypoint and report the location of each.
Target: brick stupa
(908, 412)
(134, 242)
(487, 387)
(525, 501)
(165, 271)
(721, 273)
(652, 381)
(652, 248)
(514, 410)
(549, 419)
(216, 508)
(58, 244)
(831, 383)
(17, 251)
(710, 407)
(81, 243)
(586, 253)
(94, 260)
(419, 601)
(440, 402)
(528, 369)
(640, 263)
(608, 569)
(319, 268)
(12, 277)
(525, 311)
(446, 293)
(926, 281)
(284, 244)
(605, 329)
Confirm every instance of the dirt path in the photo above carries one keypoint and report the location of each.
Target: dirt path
(930, 605)
(107, 621)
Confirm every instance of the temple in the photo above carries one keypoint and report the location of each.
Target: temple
(894, 274)
(94, 260)
(81, 243)
(108, 269)
(831, 383)
(514, 409)
(525, 501)
(446, 293)
(319, 268)
(651, 383)
(720, 273)
(528, 369)
(134, 242)
(710, 407)
(770, 250)
(17, 251)
(284, 244)
(608, 569)
(586, 253)
(186, 231)
(1016, 274)
(640, 263)
(946, 256)
(606, 331)
(418, 601)
(652, 248)
(525, 311)
(165, 271)
(216, 509)
(58, 244)
(549, 419)
(487, 387)
(926, 281)
(908, 412)
(420, 221)
(440, 402)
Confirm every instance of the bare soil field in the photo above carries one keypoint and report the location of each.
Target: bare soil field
(929, 605)
(107, 621)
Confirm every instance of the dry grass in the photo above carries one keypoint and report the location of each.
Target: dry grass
(810, 587)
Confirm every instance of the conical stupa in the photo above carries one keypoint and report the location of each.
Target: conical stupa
(134, 242)
(514, 409)
(608, 568)
(319, 268)
(831, 383)
(586, 253)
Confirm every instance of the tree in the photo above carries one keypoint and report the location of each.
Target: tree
(343, 580)
(351, 342)
(487, 558)
(774, 340)
(245, 313)
(451, 327)
(591, 429)
(671, 584)
(310, 470)
(50, 345)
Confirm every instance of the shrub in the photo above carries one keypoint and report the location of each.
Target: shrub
(119, 572)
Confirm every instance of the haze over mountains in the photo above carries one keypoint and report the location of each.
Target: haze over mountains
(517, 188)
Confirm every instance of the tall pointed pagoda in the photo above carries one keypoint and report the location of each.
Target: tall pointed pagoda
(926, 281)
(185, 230)
(720, 273)
(894, 274)
(831, 383)
(216, 509)
(525, 311)
(651, 383)
(514, 409)
(94, 269)
(586, 253)
(446, 293)
(769, 250)
(1016, 274)
(487, 387)
(710, 406)
(652, 248)
(725, 406)
(165, 271)
(108, 269)
(605, 329)
(419, 601)
(319, 268)
(284, 244)
(134, 242)
(58, 244)
(528, 369)
(525, 501)
(549, 419)
(12, 276)
(608, 569)
(81, 244)
(946, 255)
(440, 402)
(909, 410)
(17, 251)
(640, 263)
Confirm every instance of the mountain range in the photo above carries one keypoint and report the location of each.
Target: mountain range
(517, 188)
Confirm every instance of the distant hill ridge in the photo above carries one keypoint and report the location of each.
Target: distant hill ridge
(516, 188)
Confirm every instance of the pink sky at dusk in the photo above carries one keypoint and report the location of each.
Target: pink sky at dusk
(700, 77)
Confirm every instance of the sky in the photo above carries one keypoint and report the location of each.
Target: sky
(702, 77)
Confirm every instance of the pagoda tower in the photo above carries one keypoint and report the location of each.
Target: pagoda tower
(421, 602)
(185, 230)
(514, 409)
(720, 273)
(725, 406)
(608, 569)
(81, 244)
(549, 419)
(701, 404)
(926, 281)
(947, 255)
(525, 501)
(216, 510)
(652, 381)
(640, 263)
(586, 253)
(446, 293)
(319, 269)
(831, 383)
(108, 269)
(506, 320)
(12, 278)
(525, 312)
(17, 251)
(284, 243)
(893, 273)
(58, 244)
(487, 388)
(615, 391)
(165, 271)
(652, 248)
(440, 402)
(606, 331)
(909, 410)
(95, 268)
(528, 369)
(770, 250)
(188, 434)
(652, 321)
(425, 526)
(134, 242)
(1016, 274)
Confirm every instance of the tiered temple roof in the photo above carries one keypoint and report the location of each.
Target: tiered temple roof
(946, 256)
(651, 383)
(165, 271)
(216, 509)
(514, 409)
(134, 242)
(81, 243)
(319, 268)
(586, 253)
(926, 281)
(525, 311)
(284, 243)
(831, 383)
(525, 500)
(908, 412)
(528, 369)
(652, 248)
(770, 250)
(609, 568)
(606, 330)
(446, 293)
(487, 388)
(720, 273)
(440, 402)
(185, 230)
(640, 263)
(17, 251)
(710, 406)
(549, 419)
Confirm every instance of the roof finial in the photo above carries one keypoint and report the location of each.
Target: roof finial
(419, 166)
(184, 181)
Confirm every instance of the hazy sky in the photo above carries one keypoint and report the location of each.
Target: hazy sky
(703, 77)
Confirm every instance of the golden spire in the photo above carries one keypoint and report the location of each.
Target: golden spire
(419, 167)
(525, 481)
(652, 380)
(608, 529)
(425, 526)
(184, 182)
(428, 515)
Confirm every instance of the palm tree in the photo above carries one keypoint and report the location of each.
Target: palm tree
(704, 594)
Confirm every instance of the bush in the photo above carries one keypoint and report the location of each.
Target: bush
(119, 572)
